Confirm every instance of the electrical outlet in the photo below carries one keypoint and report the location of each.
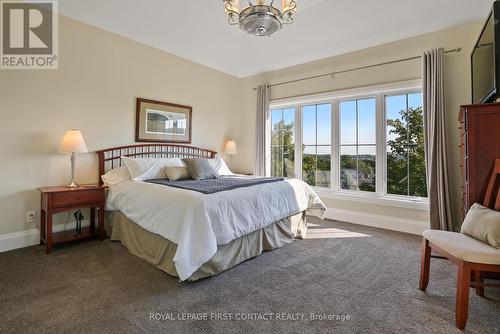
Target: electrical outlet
(30, 216)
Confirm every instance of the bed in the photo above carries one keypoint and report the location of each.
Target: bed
(193, 235)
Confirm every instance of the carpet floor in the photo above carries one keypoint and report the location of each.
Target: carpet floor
(342, 279)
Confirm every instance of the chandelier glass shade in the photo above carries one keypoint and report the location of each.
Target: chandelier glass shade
(262, 18)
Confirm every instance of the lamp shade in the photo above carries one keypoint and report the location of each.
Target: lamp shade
(73, 142)
(231, 148)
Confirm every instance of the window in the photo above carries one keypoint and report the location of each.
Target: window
(283, 142)
(317, 144)
(358, 144)
(405, 145)
(363, 142)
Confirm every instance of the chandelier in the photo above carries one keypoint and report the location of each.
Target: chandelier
(262, 18)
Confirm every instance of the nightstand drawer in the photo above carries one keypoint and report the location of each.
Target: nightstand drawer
(75, 198)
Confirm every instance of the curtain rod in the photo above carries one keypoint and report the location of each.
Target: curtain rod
(456, 50)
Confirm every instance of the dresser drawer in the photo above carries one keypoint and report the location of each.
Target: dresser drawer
(76, 198)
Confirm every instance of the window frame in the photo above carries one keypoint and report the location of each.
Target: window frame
(299, 113)
(339, 146)
(386, 194)
(379, 92)
(269, 145)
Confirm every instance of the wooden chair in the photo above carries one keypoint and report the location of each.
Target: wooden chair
(473, 258)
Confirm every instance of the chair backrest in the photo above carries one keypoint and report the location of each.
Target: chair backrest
(492, 197)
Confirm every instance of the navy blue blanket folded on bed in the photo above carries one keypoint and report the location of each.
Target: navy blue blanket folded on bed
(212, 186)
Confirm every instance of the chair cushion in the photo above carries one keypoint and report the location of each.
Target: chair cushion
(463, 247)
(483, 224)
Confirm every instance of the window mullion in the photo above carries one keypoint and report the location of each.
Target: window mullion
(282, 146)
(357, 144)
(380, 149)
(335, 148)
(407, 149)
(298, 142)
(268, 154)
(316, 147)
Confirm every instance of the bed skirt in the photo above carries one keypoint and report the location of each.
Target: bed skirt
(160, 252)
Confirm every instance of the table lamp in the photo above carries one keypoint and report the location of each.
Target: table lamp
(73, 143)
(231, 148)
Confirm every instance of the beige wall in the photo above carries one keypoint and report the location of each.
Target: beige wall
(457, 93)
(100, 75)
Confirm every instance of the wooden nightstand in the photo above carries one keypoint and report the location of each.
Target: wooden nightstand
(60, 199)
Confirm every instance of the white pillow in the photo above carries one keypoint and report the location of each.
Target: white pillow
(157, 167)
(220, 166)
(135, 166)
(116, 176)
(149, 168)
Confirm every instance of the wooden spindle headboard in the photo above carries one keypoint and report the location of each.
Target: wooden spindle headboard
(110, 158)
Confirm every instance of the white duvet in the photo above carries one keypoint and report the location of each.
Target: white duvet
(198, 223)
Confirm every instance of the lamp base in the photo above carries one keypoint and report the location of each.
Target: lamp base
(73, 185)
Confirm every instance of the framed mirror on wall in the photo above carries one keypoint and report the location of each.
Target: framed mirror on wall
(158, 121)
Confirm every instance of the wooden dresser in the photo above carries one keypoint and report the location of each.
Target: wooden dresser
(480, 146)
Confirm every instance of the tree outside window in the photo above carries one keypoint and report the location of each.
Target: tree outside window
(283, 142)
(406, 173)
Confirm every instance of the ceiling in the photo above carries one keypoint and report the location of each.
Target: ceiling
(198, 29)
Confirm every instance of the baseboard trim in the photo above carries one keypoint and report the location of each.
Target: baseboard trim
(381, 221)
(21, 239)
(15, 240)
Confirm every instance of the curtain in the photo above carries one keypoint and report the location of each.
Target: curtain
(437, 165)
(261, 129)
